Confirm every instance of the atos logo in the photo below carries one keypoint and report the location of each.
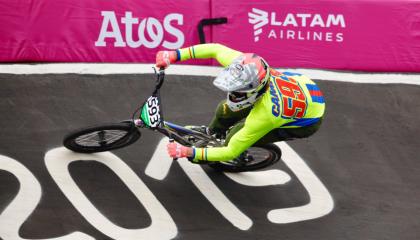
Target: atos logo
(150, 31)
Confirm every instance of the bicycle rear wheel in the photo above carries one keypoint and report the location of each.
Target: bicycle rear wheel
(102, 138)
(255, 158)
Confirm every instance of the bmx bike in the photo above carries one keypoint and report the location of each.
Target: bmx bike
(106, 137)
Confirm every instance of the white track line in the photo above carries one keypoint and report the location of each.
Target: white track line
(116, 68)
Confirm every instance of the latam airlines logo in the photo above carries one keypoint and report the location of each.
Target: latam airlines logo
(259, 19)
(297, 26)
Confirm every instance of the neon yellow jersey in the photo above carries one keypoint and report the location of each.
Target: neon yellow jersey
(292, 100)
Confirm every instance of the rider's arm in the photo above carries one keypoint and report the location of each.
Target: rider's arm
(254, 129)
(221, 53)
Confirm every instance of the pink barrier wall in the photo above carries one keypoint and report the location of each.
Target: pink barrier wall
(350, 35)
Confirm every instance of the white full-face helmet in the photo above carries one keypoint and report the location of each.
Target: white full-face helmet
(244, 80)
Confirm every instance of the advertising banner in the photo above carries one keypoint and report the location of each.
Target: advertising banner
(353, 35)
(96, 30)
(367, 35)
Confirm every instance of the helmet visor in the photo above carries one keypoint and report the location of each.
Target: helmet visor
(237, 77)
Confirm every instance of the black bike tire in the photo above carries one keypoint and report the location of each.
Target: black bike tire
(274, 157)
(131, 136)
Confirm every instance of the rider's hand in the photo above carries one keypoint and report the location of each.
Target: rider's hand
(176, 150)
(165, 58)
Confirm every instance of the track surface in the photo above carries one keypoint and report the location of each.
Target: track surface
(366, 155)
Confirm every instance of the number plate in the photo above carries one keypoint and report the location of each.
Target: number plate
(150, 114)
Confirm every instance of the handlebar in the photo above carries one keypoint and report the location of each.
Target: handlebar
(160, 78)
(159, 82)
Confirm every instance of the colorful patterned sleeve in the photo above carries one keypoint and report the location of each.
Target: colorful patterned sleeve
(221, 53)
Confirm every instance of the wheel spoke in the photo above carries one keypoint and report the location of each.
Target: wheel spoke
(100, 138)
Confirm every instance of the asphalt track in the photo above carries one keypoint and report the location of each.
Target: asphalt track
(365, 155)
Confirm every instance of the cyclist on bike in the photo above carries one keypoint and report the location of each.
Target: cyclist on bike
(262, 105)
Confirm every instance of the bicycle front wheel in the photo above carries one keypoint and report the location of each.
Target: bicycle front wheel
(102, 138)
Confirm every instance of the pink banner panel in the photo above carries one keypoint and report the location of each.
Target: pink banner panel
(371, 35)
(351, 35)
(96, 30)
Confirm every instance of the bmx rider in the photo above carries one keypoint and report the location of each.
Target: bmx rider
(262, 105)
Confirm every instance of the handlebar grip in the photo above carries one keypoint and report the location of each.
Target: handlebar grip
(160, 78)
(171, 140)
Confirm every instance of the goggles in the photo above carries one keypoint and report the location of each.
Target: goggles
(238, 96)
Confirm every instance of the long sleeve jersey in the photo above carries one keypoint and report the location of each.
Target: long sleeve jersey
(292, 100)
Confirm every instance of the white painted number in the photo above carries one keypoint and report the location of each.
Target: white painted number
(162, 227)
(321, 202)
(25, 202)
